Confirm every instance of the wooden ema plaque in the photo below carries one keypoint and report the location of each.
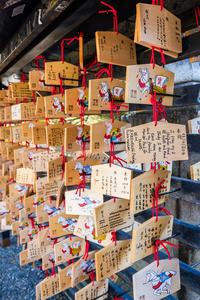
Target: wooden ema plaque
(142, 244)
(26, 176)
(23, 217)
(17, 134)
(85, 228)
(65, 278)
(39, 134)
(18, 155)
(99, 93)
(74, 98)
(194, 126)
(27, 156)
(68, 72)
(111, 216)
(44, 238)
(115, 49)
(154, 282)
(23, 258)
(93, 290)
(117, 257)
(48, 260)
(147, 33)
(10, 149)
(34, 251)
(49, 287)
(13, 170)
(31, 202)
(41, 159)
(16, 189)
(150, 143)
(2, 115)
(113, 181)
(46, 210)
(69, 249)
(195, 171)
(55, 169)
(3, 207)
(62, 224)
(24, 111)
(83, 204)
(8, 114)
(15, 228)
(39, 110)
(108, 133)
(102, 156)
(55, 106)
(28, 234)
(3, 226)
(74, 137)
(82, 269)
(27, 129)
(3, 99)
(138, 84)
(21, 90)
(36, 81)
(55, 134)
(141, 189)
(74, 170)
(45, 188)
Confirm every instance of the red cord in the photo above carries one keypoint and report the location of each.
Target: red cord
(37, 63)
(115, 23)
(109, 71)
(87, 246)
(23, 78)
(156, 254)
(165, 210)
(70, 41)
(114, 107)
(113, 239)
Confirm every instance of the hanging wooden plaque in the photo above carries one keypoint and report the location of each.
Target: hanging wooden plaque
(82, 269)
(3, 100)
(21, 90)
(102, 156)
(23, 258)
(16, 189)
(18, 155)
(108, 133)
(25, 111)
(34, 251)
(3, 226)
(139, 79)
(118, 257)
(65, 277)
(93, 290)
(50, 287)
(195, 171)
(10, 151)
(39, 135)
(75, 136)
(150, 143)
(3, 207)
(44, 238)
(74, 170)
(142, 244)
(48, 260)
(85, 228)
(76, 97)
(99, 94)
(55, 106)
(154, 282)
(83, 204)
(27, 156)
(8, 114)
(13, 170)
(194, 125)
(27, 129)
(56, 70)
(41, 159)
(15, 228)
(113, 181)
(62, 224)
(141, 189)
(115, 49)
(69, 249)
(46, 210)
(55, 134)
(23, 216)
(2, 115)
(17, 134)
(55, 169)
(37, 81)
(26, 176)
(28, 234)
(39, 109)
(45, 188)
(31, 202)
(111, 216)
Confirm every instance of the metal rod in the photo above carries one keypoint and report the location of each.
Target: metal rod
(196, 264)
(169, 95)
(170, 237)
(170, 192)
(70, 79)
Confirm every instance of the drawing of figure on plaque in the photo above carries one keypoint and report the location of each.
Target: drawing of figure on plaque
(23, 225)
(58, 106)
(87, 170)
(38, 201)
(30, 156)
(19, 206)
(69, 273)
(144, 83)
(83, 136)
(52, 258)
(41, 81)
(113, 134)
(15, 218)
(31, 125)
(52, 211)
(117, 93)
(89, 229)
(82, 99)
(74, 250)
(32, 232)
(87, 266)
(87, 204)
(20, 188)
(161, 283)
(67, 224)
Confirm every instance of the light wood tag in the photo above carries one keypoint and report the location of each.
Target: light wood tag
(74, 98)
(118, 257)
(102, 156)
(14, 210)
(195, 171)
(41, 159)
(68, 72)
(15, 228)
(5, 227)
(18, 155)
(141, 189)
(114, 181)
(3, 207)
(10, 151)
(34, 251)
(39, 134)
(111, 216)
(21, 90)
(150, 143)
(85, 228)
(55, 106)
(30, 203)
(13, 170)
(116, 49)
(2, 115)
(83, 204)
(55, 169)
(27, 129)
(8, 114)
(82, 269)
(28, 234)
(3, 100)
(75, 136)
(142, 244)
(194, 125)
(50, 287)
(99, 94)
(74, 170)
(45, 188)
(36, 81)
(62, 224)
(26, 176)
(17, 134)
(48, 260)
(93, 290)
(60, 193)
(154, 282)
(39, 109)
(69, 249)
(55, 134)
(44, 238)
(27, 156)
(65, 278)
(46, 210)
(108, 133)
(23, 258)
(15, 189)
(25, 111)
(138, 84)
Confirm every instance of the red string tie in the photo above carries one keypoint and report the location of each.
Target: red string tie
(113, 239)
(109, 71)
(87, 246)
(70, 41)
(115, 23)
(114, 107)
(156, 253)
(23, 78)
